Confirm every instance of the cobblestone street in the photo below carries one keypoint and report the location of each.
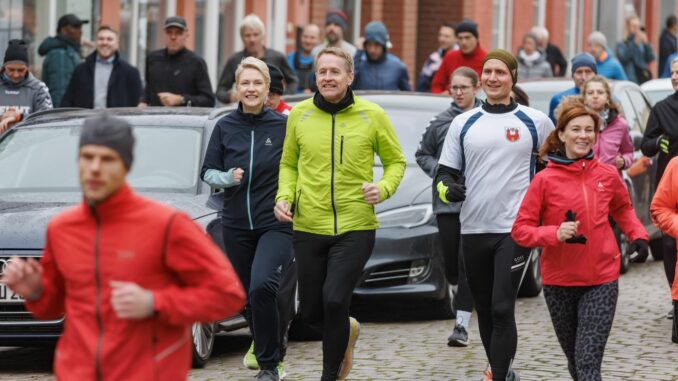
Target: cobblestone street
(639, 347)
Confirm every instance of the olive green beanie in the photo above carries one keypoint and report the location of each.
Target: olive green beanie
(507, 58)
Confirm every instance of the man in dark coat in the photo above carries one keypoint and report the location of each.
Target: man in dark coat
(176, 76)
(554, 56)
(668, 43)
(104, 79)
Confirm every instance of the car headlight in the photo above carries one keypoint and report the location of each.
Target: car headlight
(407, 217)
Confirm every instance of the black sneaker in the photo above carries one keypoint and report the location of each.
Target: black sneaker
(268, 375)
(459, 337)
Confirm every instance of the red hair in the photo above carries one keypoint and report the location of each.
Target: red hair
(553, 143)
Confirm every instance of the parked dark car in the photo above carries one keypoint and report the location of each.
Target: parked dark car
(636, 110)
(39, 178)
(407, 264)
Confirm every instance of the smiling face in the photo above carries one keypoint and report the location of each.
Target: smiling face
(107, 43)
(310, 37)
(332, 77)
(252, 90)
(102, 172)
(578, 137)
(596, 96)
(496, 81)
(446, 38)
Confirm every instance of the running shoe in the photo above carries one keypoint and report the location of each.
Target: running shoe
(281, 370)
(345, 367)
(459, 337)
(267, 375)
(250, 359)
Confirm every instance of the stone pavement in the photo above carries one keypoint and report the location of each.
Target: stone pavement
(639, 347)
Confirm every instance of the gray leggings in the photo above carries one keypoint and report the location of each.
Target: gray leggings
(582, 318)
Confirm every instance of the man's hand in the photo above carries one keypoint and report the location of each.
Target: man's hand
(130, 301)
(282, 211)
(371, 193)
(170, 99)
(23, 277)
(567, 230)
(238, 174)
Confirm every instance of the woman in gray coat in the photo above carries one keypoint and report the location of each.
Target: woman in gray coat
(532, 62)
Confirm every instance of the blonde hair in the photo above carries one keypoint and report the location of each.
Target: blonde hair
(606, 86)
(256, 64)
(339, 52)
(252, 21)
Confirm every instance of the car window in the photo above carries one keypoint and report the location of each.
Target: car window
(641, 107)
(44, 158)
(622, 97)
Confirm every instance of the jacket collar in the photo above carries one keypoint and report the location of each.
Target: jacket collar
(251, 117)
(456, 110)
(333, 108)
(500, 108)
(113, 206)
(177, 54)
(92, 59)
(559, 161)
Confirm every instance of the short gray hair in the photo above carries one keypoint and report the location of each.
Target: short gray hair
(597, 38)
(339, 52)
(252, 21)
(540, 32)
(256, 64)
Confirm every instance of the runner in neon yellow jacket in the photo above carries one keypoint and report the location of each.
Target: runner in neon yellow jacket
(326, 160)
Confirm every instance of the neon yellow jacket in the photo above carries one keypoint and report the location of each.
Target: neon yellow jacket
(326, 159)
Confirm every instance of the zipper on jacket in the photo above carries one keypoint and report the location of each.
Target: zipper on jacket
(586, 195)
(334, 207)
(341, 151)
(97, 279)
(249, 180)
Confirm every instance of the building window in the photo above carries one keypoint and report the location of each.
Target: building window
(18, 21)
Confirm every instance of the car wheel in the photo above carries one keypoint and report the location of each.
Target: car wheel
(444, 309)
(657, 249)
(203, 343)
(623, 246)
(532, 285)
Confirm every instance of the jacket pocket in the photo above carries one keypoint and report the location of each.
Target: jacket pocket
(297, 211)
(341, 150)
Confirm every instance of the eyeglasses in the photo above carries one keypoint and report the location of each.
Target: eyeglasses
(463, 89)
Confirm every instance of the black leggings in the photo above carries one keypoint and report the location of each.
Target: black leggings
(260, 257)
(669, 258)
(449, 230)
(329, 268)
(495, 266)
(582, 318)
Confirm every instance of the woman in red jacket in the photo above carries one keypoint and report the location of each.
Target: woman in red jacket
(565, 212)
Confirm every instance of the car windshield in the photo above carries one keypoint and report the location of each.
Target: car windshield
(44, 159)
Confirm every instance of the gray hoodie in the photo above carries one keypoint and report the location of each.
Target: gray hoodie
(27, 96)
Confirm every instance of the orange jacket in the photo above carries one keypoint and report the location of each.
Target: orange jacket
(664, 207)
(132, 239)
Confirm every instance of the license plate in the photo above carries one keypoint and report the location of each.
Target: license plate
(7, 295)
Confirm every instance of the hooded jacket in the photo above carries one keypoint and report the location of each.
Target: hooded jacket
(131, 239)
(28, 96)
(539, 68)
(614, 140)
(593, 191)
(124, 85)
(662, 122)
(663, 208)
(326, 159)
(430, 148)
(386, 73)
(253, 143)
(454, 59)
(62, 55)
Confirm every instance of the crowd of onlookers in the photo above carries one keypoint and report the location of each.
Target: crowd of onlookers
(176, 76)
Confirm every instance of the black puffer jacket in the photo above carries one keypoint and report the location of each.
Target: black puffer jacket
(429, 150)
(253, 143)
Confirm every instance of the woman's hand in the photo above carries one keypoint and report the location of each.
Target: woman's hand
(567, 230)
(619, 162)
(238, 174)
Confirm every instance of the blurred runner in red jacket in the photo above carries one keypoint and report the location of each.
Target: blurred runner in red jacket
(131, 275)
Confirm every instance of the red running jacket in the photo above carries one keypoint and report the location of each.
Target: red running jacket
(132, 239)
(592, 190)
(664, 207)
(452, 61)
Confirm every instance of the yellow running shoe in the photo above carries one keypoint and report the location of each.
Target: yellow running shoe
(250, 359)
(353, 334)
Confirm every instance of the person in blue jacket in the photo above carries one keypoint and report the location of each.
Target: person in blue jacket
(375, 67)
(242, 158)
(583, 67)
(608, 66)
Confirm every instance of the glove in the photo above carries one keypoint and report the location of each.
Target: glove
(454, 193)
(663, 143)
(639, 247)
(571, 216)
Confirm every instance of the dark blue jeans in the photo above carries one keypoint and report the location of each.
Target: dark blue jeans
(260, 257)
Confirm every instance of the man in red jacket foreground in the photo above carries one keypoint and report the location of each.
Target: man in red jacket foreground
(131, 274)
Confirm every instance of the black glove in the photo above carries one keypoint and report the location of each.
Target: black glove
(639, 247)
(456, 192)
(571, 216)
